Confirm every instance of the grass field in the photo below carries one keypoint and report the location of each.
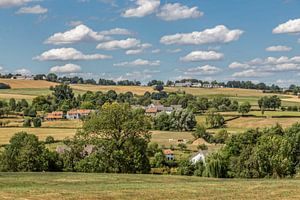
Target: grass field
(42, 133)
(67, 186)
(267, 113)
(252, 122)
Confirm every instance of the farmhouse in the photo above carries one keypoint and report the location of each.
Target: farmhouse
(78, 114)
(22, 77)
(199, 157)
(169, 154)
(185, 84)
(154, 109)
(54, 116)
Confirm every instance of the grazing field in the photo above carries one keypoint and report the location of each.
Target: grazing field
(266, 113)
(253, 122)
(48, 186)
(139, 90)
(16, 84)
(42, 133)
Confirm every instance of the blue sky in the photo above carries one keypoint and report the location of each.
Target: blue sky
(152, 39)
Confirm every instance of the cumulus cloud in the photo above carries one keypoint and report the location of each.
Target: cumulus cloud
(203, 70)
(238, 65)
(195, 56)
(174, 50)
(117, 31)
(138, 75)
(278, 48)
(23, 71)
(218, 34)
(138, 62)
(68, 68)
(80, 33)
(264, 67)
(156, 51)
(144, 7)
(291, 26)
(32, 10)
(13, 3)
(64, 54)
(129, 43)
(251, 73)
(176, 11)
(140, 49)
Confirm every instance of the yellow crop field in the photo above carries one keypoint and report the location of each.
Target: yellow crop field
(16, 84)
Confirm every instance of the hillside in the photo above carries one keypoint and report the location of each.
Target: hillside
(49, 186)
(17, 84)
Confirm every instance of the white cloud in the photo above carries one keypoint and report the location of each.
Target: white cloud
(251, 73)
(218, 34)
(237, 65)
(23, 71)
(176, 11)
(156, 51)
(129, 43)
(12, 3)
(68, 68)
(138, 62)
(202, 56)
(64, 54)
(291, 26)
(138, 75)
(134, 51)
(259, 67)
(117, 31)
(174, 50)
(80, 33)
(144, 7)
(278, 48)
(203, 70)
(32, 10)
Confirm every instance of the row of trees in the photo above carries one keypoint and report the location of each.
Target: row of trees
(180, 120)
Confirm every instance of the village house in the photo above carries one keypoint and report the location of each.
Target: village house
(77, 113)
(199, 157)
(23, 77)
(185, 84)
(54, 116)
(169, 154)
(155, 109)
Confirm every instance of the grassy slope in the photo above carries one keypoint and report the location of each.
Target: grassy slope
(48, 186)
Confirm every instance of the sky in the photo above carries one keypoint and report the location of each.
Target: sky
(257, 40)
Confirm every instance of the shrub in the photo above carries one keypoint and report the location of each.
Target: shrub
(27, 122)
(37, 122)
(49, 140)
(4, 86)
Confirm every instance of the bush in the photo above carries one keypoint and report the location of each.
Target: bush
(202, 147)
(49, 140)
(27, 122)
(37, 122)
(4, 86)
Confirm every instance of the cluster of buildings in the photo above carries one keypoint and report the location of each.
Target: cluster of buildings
(71, 114)
(200, 156)
(23, 77)
(197, 85)
(155, 109)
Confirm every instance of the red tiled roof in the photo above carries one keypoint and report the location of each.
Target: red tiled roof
(168, 152)
(82, 111)
(152, 110)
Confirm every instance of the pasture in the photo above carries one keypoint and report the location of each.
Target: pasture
(58, 133)
(68, 186)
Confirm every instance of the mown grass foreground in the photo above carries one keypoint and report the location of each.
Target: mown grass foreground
(120, 186)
